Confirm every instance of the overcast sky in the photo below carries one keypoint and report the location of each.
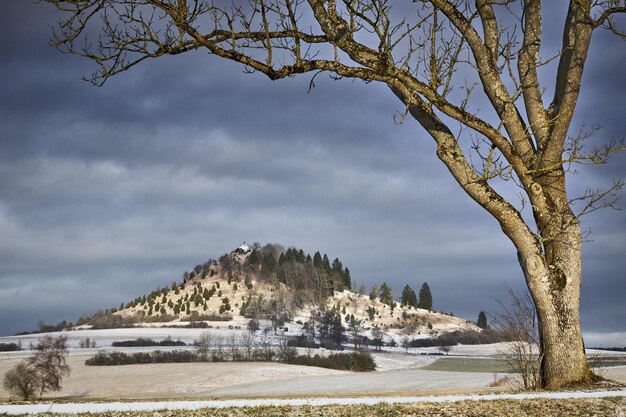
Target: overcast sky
(108, 193)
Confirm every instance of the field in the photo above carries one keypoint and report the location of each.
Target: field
(467, 370)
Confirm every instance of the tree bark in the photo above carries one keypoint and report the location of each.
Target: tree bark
(554, 281)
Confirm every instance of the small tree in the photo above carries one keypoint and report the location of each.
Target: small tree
(248, 344)
(482, 320)
(408, 297)
(41, 372)
(378, 337)
(355, 329)
(386, 295)
(425, 298)
(48, 362)
(374, 292)
(203, 345)
(517, 322)
(22, 381)
(405, 343)
(330, 330)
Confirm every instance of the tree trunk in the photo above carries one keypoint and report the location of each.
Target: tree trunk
(554, 283)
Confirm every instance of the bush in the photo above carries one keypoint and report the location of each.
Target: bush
(468, 337)
(9, 347)
(354, 361)
(22, 381)
(143, 342)
(253, 325)
(120, 358)
(195, 316)
(302, 341)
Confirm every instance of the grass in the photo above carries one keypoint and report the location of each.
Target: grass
(468, 365)
(511, 408)
(454, 364)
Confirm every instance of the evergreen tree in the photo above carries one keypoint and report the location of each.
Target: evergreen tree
(317, 260)
(337, 266)
(331, 332)
(425, 298)
(408, 297)
(326, 263)
(386, 295)
(482, 320)
(347, 279)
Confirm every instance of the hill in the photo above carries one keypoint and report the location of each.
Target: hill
(268, 284)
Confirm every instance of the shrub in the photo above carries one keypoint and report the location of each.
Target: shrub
(468, 337)
(9, 347)
(253, 325)
(354, 361)
(142, 342)
(302, 341)
(22, 381)
(120, 358)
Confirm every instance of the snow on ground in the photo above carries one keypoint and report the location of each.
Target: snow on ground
(171, 380)
(194, 405)
(105, 337)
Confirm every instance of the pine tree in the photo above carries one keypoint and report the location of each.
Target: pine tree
(347, 278)
(408, 297)
(425, 298)
(386, 295)
(317, 260)
(482, 320)
(326, 263)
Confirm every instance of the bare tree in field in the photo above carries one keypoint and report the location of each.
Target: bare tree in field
(517, 323)
(40, 373)
(444, 60)
(48, 362)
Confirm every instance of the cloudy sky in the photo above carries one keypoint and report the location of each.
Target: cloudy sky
(108, 193)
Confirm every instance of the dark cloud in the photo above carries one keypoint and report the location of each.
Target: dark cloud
(106, 193)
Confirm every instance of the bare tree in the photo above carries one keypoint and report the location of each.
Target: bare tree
(203, 345)
(355, 330)
(48, 362)
(405, 343)
(378, 337)
(248, 345)
(443, 59)
(517, 322)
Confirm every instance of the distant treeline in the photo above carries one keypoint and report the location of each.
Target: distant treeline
(43, 327)
(614, 349)
(354, 361)
(466, 337)
(144, 342)
(9, 347)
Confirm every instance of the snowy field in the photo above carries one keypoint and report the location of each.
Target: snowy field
(397, 373)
